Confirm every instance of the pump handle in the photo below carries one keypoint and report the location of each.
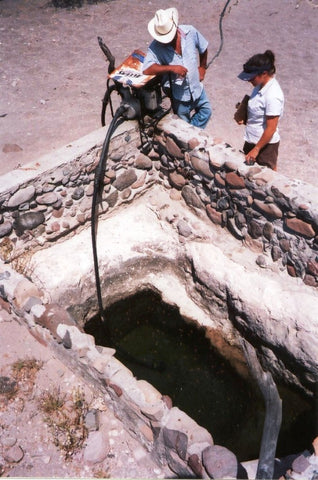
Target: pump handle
(108, 54)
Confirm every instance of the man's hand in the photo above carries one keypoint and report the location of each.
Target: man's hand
(179, 70)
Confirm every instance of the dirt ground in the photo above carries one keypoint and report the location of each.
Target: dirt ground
(53, 73)
(43, 410)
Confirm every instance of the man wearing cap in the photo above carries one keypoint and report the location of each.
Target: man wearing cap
(174, 54)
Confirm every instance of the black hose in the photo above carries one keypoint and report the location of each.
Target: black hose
(97, 196)
(221, 33)
(118, 118)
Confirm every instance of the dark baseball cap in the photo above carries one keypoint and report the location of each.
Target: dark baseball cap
(250, 71)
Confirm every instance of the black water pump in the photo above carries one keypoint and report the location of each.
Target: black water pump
(140, 94)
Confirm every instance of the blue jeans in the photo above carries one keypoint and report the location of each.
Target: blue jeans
(201, 107)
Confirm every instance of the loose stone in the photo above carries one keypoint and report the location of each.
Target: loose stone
(276, 253)
(195, 465)
(284, 244)
(58, 213)
(219, 180)
(201, 166)
(140, 182)
(96, 448)
(312, 267)
(126, 194)
(48, 187)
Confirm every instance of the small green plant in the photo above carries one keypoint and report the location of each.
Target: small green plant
(52, 402)
(23, 372)
(65, 416)
(26, 368)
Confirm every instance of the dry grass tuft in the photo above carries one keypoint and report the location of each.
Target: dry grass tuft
(65, 416)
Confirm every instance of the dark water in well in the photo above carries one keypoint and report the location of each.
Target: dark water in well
(179, 361)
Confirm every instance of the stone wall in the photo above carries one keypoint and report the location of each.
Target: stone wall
(50, 200)
(261, 208)
(171, 435)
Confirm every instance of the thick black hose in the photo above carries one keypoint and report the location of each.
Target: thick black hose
(97, 195)
(221, 33)
(120, 116)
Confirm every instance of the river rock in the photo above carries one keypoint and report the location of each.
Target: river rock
(22, 196)
(78, 193)
(125, 179)
(219, 462)
(5, 229)
(48, 198)
(112, 198)
(173, 148)
(176, 180)
(233, 180)
(301, 227)
(143, 162)
(195, 465)
(191, 198)
(176, 440)
(96, 449)
(28, 221)
(14, 454)
(183, 228)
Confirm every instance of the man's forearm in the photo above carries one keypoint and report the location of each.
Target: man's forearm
(203, 59)
(156, 69)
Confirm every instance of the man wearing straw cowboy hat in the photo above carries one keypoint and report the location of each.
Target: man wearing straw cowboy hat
(174, 54)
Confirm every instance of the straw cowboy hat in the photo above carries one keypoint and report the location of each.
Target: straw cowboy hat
(163, 26)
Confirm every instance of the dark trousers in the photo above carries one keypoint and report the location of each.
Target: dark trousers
(267, 155)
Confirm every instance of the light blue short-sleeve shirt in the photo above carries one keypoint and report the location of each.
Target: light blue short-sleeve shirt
(192, 43)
